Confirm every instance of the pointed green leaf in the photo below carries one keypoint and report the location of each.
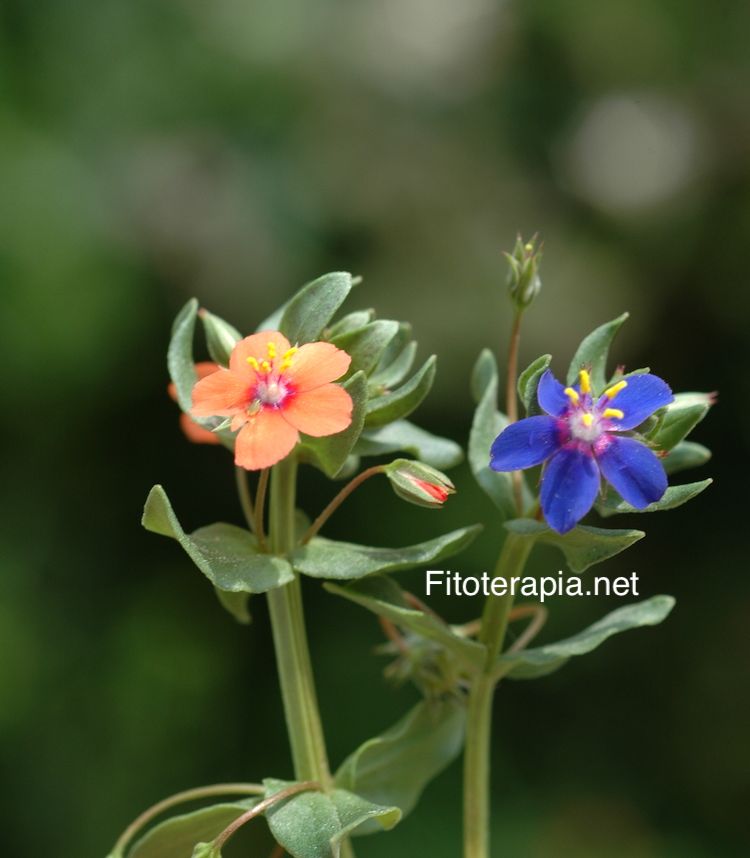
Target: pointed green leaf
(583, 546)
(236, 604)
(180, 354)
(331, 452)
(540, 661)
(366, 345)
(401, 402)
(350, 322)
(313, 307)
(227, 555)
(679, 419)
(674, 496)
(528, 382)
(313, 824)
(593, 352)
(221, 337)
(341, 561)
(483, 374)
(385, 598)
(395, 767)
(396, 361)
(441, 453)
(687, 454)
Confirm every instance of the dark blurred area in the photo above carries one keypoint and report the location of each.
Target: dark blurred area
(151, 151)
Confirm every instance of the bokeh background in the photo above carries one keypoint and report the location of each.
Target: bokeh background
(153, 150)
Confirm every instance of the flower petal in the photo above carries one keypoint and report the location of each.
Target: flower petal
(222, 394)
(643, 395)
(634, 470)
(570, 485)
(264, 440)
(322, 411)
(551, 395)
(316, 364)
(202, 369)
(195, 433)
(524, 444)
(256, 346)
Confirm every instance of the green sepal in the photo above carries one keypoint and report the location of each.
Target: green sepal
(400, 403)
(687, 454)
(350, 322)
(540, 661)
(331, 452)
(593, 352)
(401, 435)
(583, 546)
(313, 824)
(366, 345)
(306, 315)
(177, 836)
(679, 419)
(221, 337)
(385, 598)
(343, 561)
(528, 382)
(227, 555)
(395, 767)
(674, 496)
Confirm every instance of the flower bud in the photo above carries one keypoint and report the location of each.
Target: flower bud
(419, 483)
(523, 274)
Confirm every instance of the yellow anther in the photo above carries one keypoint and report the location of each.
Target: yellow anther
(253, 363)
(265, 366)
(587, 420)
(289, 352)
(271, 350)
(585, 381)
(572, 395)
(611, 392)
(613, 412)
(285, 364)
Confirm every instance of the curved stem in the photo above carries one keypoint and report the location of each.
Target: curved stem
(338, 500)
(181, 798)
(246, 501)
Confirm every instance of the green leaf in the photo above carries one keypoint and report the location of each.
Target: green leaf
(236, 604)
(396, 361)
(395, 767)
(366, 345)
(341, 561)
(331, 452)
(528, 382)
(401, 402)
(441, 453)
(221, 337)
(487, 424)
(227, 555)
(350, 322)
(679, 419)
(385, 598)
(313, 824)
(177, 837)
(686, 454)
(583, 546)
(593, 352)
(483, 374)
(540, 661)
(205, 850)
(674, 496)
(180, 354)
(313, 307)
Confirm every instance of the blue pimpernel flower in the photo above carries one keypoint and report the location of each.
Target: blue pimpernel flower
(580, 439)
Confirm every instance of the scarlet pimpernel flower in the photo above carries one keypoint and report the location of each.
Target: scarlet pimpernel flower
(581, 438)
(192, 431)
(272, 391)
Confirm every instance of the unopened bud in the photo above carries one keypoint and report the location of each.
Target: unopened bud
(523, 274)
(419, 483)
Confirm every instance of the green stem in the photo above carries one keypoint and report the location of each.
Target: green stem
(510, 564)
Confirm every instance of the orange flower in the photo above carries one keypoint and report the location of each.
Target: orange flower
(273, 391)
(193, 432)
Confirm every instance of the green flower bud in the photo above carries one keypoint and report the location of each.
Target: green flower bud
(523, 274)
(419, 483)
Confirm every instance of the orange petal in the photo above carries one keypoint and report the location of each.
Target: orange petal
(323, 411)
(222, 393)
(202, 369)
(264, 440)
(195, 433)
(316, 364)
(256, 346)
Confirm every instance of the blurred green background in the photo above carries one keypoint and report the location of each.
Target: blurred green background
(151, 151)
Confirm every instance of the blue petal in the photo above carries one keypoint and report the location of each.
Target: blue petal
(643, 395)
(634, 470)
(551, 395)
(525, 444)
(569, 488)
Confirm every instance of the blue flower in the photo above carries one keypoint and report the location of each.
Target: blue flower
(580, 439)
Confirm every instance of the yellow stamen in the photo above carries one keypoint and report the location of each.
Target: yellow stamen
(587, 420)
(253, 363)
(287, 361)
(265, 366)
(585, 381)
(289, 352)
(611, 392)
(613, 412)
(271, 350)
(572, 395)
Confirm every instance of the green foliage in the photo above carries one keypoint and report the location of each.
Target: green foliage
(306, 315)
(528, 381)
(401, 435)
(583, 546)
(593, 351)
(180, 354)
(400, 403)
(395, 767)
(313, 824)
(679, 419)
(539, 661)
(673, 497)
(396, 361)
(366, 345)
(221, 337)
(327, 558)
(350, 322)
(687, 454)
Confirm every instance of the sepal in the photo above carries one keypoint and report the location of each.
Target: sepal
(593, 352)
